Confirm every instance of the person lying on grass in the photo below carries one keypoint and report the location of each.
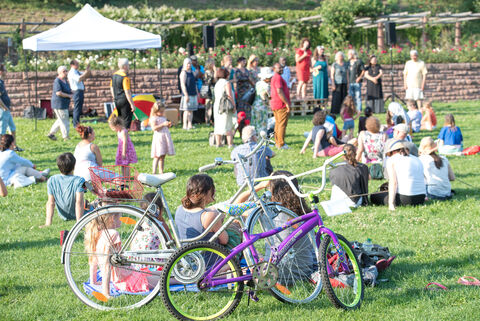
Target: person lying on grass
(65, 191)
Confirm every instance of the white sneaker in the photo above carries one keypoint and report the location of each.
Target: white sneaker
(45, 172)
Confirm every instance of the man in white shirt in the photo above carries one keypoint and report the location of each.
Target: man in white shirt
(76, 78)
(414, 77)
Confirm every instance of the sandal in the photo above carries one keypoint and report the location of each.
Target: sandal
(465, 281)
(437, 288)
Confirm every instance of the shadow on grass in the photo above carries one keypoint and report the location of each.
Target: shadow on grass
(30, 244)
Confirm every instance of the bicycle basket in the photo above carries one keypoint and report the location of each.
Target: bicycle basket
(116, 181)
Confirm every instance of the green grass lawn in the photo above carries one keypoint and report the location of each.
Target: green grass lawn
(435, 242)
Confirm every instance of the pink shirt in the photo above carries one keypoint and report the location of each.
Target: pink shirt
(278, 82)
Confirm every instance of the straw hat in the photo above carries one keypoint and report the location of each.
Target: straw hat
(265, 72)
(394, 145)
(401, 128)
(427, 146)
(247, 133)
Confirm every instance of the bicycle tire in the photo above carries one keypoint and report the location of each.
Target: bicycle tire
(339, 286)
(299, 270)
(77, 266)
(182, 275)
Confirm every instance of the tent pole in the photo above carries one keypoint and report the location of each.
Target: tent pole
(159, 65)
(36, 88)
(134, 68)
(26, 75)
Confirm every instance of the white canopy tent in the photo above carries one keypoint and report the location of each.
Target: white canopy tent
(89, 30)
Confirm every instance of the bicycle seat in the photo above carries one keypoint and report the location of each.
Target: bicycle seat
(236, 209)
(155, 180)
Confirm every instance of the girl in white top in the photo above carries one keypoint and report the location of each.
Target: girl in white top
(87, 154)
(406, 185)
(436, 169)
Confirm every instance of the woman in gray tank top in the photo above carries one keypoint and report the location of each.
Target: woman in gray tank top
(339, 82)
(192, 217)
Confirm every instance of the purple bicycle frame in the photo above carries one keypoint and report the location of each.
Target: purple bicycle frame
(310, 221)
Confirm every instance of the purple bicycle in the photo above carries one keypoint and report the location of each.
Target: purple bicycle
(205, 281)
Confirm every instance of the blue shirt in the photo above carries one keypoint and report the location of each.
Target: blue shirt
(64, 189)
(332, 121)
(416, 119)
(4, 95)
(286, 75)
(199, 80)
(451, 136)
(9, 162)
(256, 166)
(57, 101)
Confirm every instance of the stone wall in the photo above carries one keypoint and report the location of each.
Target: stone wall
(445, 82)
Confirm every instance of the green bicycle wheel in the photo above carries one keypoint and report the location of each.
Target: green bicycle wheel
(344, 289)
(181, 283)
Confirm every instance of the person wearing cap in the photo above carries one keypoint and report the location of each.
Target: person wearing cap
(121, 92)
(406, 185)
(61, 96)
(259, 165)
(414, 78)
(259, 107)
(400, 132)
(319, 71)
(437, 171)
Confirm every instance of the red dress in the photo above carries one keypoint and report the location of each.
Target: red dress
(303, 67)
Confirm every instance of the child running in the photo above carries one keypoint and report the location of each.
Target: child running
(348, 113)
(126, 154)
(162, 143)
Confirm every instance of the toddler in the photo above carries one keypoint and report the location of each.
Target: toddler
(415, 116)
(162, 143)
(348, 113)
(126, 154)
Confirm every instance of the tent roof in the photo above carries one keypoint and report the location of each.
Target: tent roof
(89, 30)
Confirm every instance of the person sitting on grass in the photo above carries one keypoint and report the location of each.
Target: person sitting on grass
(65, 191)
(415, 116)
(259, 165)
(3, 188)
(450, 139)
(437, 170)
(429, 119)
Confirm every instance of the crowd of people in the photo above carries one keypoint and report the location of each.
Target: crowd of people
(240, 99)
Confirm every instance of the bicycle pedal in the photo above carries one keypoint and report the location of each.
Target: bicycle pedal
(253, 296)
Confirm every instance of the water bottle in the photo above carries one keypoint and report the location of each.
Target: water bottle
(367, 246)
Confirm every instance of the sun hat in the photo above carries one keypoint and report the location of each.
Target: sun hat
(265, 72)
(401, 128)
(394, 145)
(427, 146)
(247, 133)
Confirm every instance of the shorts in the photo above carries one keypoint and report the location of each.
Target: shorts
(191, 105)
(6, 120)
(348, 124)
(414, 94)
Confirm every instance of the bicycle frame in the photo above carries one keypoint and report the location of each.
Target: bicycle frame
(310, 221)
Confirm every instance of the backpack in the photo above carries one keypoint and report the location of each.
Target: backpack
(376, 171)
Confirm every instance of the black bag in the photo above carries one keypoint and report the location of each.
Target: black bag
(226, 105)
(34, 112)
(249, 96)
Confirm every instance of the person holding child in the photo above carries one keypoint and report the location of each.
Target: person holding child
(126, 154)
(65, 192)
(450, 137)
(87, 154)
(162, 143)
(193, 216)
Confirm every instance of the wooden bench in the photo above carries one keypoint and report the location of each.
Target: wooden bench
(302, 107)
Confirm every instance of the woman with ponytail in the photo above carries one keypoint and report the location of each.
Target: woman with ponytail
(86, 153)
(352, 178)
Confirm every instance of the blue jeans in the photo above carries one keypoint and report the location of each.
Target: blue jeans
(77, 106)
(6, 120)
(355, 90)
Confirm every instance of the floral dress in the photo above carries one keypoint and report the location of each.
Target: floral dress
(146, 239)
(130, 154)
(374, 145)
(259, 108)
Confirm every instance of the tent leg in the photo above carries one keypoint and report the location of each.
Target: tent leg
(26, 75)
(159, 66)
(36, 88)
(134, 68)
